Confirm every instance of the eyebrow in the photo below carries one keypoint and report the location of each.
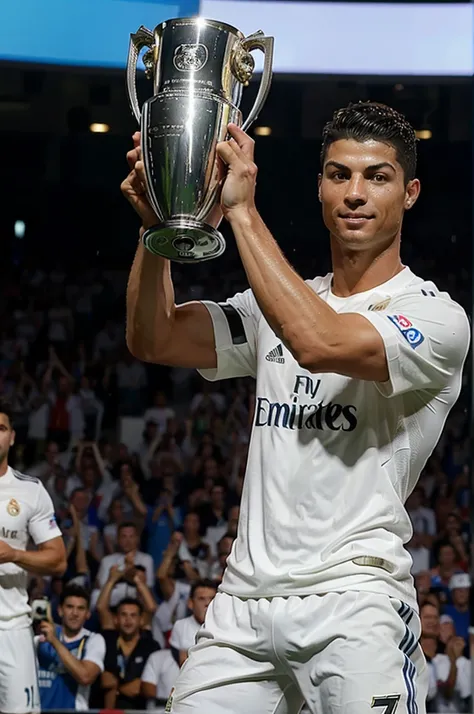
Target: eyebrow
(374, 167)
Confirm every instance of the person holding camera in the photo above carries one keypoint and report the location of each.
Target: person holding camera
(70, 658)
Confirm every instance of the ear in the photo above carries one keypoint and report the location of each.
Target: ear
(412, 192)
(12, 439)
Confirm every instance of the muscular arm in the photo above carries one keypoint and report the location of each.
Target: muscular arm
(157, 329)
(49, 559)
(320, 339)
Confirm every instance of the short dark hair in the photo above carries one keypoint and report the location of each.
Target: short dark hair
(74, 590)
(7, 409)
(206, 583)
(429, 604)
(363, 121)
(79, 489)
(127, 524)
(129, 601)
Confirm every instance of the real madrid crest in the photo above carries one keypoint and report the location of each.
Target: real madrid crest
(13, 508)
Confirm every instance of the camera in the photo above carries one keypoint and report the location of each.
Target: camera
(40, 610)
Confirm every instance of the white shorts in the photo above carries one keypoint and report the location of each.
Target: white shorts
(18, 675)
(341, 653)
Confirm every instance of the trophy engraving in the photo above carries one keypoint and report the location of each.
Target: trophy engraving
(199, 69)
(190, 58)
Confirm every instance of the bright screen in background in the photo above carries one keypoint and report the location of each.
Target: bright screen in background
(357, 38)
(79, 32)
(310, 37)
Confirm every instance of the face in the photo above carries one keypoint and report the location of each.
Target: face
(446, 631)
(452, 524)
(363, 193)
(217, 496)
(80, 501)
(191, 523)
(116, 512)
(74, 613)
(52, 452)
(211, 469)
(125, 473)
(127, 539)
(200, 602)
(7, 436)
(460, 597)
(423, 582)
(429, 621)
(446, 555)
(89, 478)
(128, 620)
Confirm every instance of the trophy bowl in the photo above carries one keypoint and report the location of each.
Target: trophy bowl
(199, 69)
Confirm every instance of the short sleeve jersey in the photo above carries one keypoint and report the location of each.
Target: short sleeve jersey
(333, 459)
(26, 510)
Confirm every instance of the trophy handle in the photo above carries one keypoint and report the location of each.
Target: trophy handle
(258, 41)
(138, 40)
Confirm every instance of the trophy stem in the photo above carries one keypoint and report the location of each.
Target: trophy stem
(184, 240)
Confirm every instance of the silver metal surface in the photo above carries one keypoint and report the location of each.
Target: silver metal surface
(199, 68)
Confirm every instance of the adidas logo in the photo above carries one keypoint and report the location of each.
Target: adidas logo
(276, 355)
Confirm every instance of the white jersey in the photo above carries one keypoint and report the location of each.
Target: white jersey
(26, 510)
(161, 669)
(332, 459)
(183, 634)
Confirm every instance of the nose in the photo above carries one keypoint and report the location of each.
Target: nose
(356, 192)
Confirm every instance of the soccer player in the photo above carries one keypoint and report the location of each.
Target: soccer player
(26, 510)
(355, 373)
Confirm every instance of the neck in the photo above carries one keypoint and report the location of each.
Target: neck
(3, 467)
(129, 640)
(462, 608)
(358, 271)
(70, 634)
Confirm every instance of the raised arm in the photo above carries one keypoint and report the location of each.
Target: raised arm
(157, 329)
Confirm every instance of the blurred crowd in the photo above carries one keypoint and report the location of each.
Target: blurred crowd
(145, 467)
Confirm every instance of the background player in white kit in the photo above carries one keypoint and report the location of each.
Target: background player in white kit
(26, 510)
(356, 373)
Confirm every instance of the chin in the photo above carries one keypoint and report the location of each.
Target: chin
(355, 239)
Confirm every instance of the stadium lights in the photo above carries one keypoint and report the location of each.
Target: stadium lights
(97, 128)
(423, 134)
(262, 130)
(19, 229)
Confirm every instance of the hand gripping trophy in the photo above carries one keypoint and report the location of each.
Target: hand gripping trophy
(199, 68)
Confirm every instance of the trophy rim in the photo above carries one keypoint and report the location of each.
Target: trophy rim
(203, 20)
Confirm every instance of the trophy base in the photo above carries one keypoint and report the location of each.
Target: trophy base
(184, 240)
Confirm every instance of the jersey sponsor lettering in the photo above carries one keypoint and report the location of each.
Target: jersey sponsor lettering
(413, 336)
(294, 415)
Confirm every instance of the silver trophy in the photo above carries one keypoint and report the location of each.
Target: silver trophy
(199, 68)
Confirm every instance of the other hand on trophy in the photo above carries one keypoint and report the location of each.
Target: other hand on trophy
(238, 191)
(134, 190)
